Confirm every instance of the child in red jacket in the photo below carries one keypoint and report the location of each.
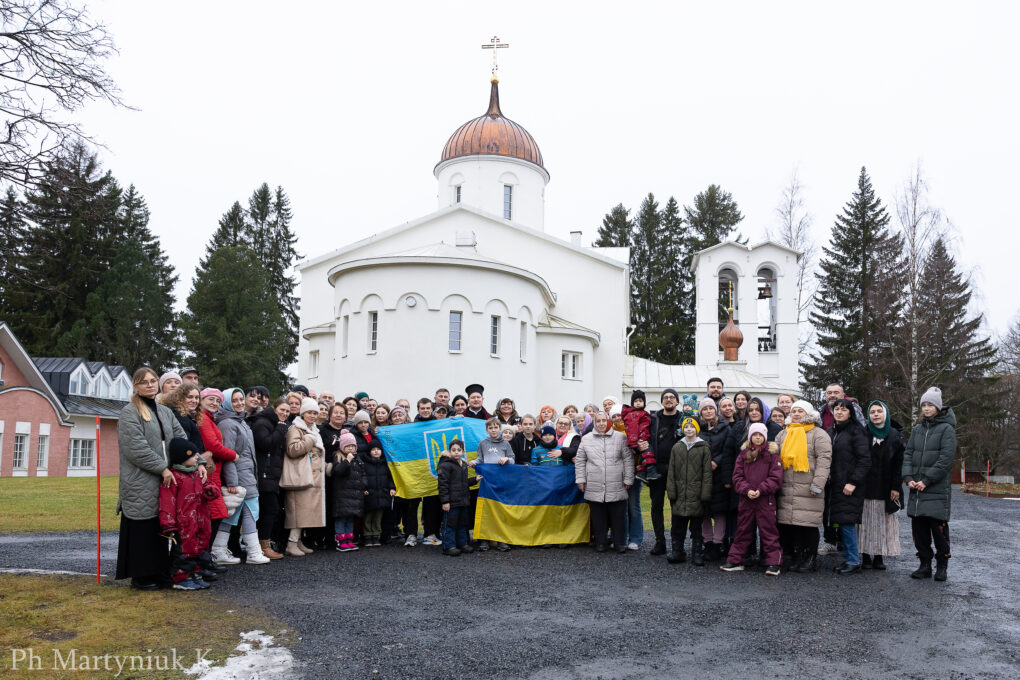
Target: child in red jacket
(639, 425)
(184, 515)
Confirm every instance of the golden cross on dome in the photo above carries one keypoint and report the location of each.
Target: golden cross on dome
(494, 45)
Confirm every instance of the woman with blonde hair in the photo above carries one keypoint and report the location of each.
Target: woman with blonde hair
(144, 430)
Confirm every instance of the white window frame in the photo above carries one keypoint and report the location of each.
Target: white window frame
(494, 335)
(508, 201)
(104, 385)
(455, 332)
(80, 383)
(524, 341)
(345, 335)
(19, 459)
(570, 365)
(81, 454)
(42, 452)
(373, 332)
(313, 363)
(457, 193)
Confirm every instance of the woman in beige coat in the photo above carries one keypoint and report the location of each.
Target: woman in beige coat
(306, 508)
(805, 451)
(604, 472)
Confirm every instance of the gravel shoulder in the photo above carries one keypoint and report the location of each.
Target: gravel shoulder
(410, 612)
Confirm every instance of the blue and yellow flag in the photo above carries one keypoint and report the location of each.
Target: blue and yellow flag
(530, 505)
(413, 449)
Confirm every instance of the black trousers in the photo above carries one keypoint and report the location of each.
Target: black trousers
(831, 533)
(411, 516)
(657, 491)
(392, 517)
(678, 532)
(609, 515)
(927, 530)
(793, 537)
(269, 513)
(432, 516)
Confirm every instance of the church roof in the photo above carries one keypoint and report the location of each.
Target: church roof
(741, 246)
(651, 374)
(559, 325)
(492, 134)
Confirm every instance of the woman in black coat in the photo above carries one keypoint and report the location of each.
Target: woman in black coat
(269, 430)
(716, 433)
(851, 460)
(879, 532)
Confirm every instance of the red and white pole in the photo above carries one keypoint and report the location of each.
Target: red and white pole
(98, 505)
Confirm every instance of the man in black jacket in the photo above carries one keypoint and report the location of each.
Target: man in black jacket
(664, 433)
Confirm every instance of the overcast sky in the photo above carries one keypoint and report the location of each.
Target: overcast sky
(348, 106)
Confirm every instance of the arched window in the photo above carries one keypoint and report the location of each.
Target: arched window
(767, 309)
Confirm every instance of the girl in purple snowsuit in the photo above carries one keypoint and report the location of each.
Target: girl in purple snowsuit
(757, 476)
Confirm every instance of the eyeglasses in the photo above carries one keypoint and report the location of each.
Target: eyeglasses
(149, 382)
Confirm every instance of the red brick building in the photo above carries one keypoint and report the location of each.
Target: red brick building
(48, 413)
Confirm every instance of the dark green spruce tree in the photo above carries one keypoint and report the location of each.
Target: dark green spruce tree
(954, 355)
(712, 219)
(859, 300)
(278, 255)
(676, 320)
(645, 279)
(617, 230)
(233, 328)
(12, 242)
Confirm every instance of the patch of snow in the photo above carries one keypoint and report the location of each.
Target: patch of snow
(259, 659)
(18, 570)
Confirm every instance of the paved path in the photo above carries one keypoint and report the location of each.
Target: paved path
(543, 614)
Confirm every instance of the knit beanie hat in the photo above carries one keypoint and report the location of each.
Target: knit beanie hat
(308, 404)
(610, 398)
(933, 396)
(395, 409)
(690, 421)
(211, 392)
(706, 402)
(362, 417)
(347, 439)
(548, 429)
(670, 390)
(637, 394)
(757, 428)
(361, 395)
(180, 450)
(617, 410)
(812, 413)
(167, 376)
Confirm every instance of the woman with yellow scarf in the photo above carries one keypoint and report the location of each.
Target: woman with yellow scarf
(805, 452)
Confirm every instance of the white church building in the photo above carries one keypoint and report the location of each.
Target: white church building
(478, 292)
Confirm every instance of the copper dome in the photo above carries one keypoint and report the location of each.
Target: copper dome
(492, 134)
(730, 339)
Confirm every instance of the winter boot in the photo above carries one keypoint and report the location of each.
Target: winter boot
(923, 571)
(651, 474)
(219, 550)
(267, 550)
(293, 550)
(349, 544)
(808, 563)
(639, 474)
(676, 554)
(711, 551)
(304, 548)
(877, 563)
(865, 561)
(940, 568)
(659, 548)
(698, 553)
(254, 550)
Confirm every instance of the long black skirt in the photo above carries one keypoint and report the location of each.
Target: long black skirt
(142, 554)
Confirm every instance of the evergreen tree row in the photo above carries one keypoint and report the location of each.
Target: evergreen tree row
(662, 245)
(83, 274)
(241, 323)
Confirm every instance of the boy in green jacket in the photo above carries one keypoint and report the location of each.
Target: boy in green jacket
(689, 487)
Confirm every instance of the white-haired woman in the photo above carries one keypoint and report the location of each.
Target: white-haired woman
(604, 472)
(306, 508)
(805, 452)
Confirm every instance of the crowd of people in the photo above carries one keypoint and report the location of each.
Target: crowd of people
(207, 475)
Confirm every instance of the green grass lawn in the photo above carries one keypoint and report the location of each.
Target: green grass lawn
(48, 504)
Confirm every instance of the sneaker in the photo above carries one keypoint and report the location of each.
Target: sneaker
(206, 575)
(187, 584)
(452, 552)
(732, 567)
(411, 541)
(829, 549)
(651, 474)
(633, 546)
(483, 546)
(502, 547)
(431, 539)
(772, 570)
(224, 556)
(466, 549)
(640, 476)
(347, 547)
(200, 582)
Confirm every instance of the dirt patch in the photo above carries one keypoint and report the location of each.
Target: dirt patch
(53, 635)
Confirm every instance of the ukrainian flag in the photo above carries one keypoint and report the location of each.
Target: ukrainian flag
(413, 450)
(530, 505)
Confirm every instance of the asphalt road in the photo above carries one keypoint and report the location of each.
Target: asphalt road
(396, 612)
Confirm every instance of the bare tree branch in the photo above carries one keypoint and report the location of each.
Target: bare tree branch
(51, 64)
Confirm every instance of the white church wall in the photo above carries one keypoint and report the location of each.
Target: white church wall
(554, 388)
(482, 178)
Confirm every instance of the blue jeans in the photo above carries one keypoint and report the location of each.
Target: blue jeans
(635, 522)
(343, 525)
(455, 527)
(850, 552)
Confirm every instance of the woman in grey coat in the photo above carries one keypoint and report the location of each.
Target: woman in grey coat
(236, 474)
(604, 472)
(144, 430)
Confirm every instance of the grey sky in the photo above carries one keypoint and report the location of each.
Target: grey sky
(348, 105)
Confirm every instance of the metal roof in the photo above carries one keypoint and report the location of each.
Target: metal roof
(90, 406)
(645, 374)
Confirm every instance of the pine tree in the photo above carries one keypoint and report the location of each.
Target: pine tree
(617, 230)
(232, 327)
(12, 240)
(858, 304)
(129, 318)
(953, 354)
